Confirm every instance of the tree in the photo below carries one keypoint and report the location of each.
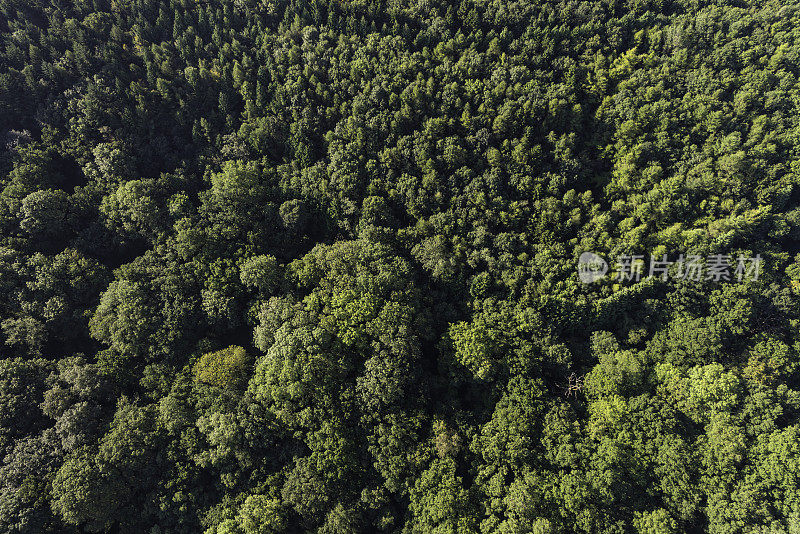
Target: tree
(226, 368)
(439, 503)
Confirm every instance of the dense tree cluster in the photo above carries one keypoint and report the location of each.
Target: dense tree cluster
(311, 266)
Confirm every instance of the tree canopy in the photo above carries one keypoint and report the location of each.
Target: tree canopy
(285, 266)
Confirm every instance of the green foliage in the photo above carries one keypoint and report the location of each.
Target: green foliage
(226, 368)
(260, 273)
(375, 211)
(440, 503)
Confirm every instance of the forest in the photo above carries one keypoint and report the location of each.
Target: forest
(314, 266)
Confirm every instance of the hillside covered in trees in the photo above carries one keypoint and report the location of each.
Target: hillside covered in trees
(313, 266)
